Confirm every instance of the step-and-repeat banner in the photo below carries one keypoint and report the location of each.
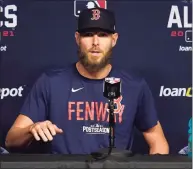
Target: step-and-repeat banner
(155, 42)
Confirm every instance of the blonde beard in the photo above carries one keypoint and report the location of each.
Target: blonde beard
(94, 67)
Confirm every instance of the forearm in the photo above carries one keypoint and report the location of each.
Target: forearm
(18, 137)
(159, 148)
(156, 140)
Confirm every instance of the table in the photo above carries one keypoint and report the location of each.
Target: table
(13, 161)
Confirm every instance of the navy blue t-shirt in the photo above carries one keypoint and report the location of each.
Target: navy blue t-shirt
(76, 105)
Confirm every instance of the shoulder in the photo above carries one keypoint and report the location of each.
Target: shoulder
(55, 75)
(59, 71)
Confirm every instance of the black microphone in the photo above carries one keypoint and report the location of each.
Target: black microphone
(112, 88)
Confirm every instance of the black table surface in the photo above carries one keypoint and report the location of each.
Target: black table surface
(83, 161)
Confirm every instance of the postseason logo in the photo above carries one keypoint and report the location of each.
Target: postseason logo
(179, 22)
(79, 5)
(95, 129)
(8, 23)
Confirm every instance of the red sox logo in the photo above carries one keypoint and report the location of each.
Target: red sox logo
(95, 14)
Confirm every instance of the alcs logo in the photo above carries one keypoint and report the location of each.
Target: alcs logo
(180, 19)
(79, 5)
(8, 14)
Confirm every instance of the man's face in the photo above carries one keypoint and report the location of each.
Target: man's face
(95, 49)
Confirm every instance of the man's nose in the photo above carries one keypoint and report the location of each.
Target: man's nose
(95, 40)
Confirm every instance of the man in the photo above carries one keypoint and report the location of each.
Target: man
(66, 108)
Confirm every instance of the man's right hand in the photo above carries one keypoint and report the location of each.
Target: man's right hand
(44, 130)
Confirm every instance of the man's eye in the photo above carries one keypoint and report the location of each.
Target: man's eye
(87, 34)
(103, 34)
(90, 34)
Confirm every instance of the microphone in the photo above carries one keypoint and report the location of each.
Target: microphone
(112, 88)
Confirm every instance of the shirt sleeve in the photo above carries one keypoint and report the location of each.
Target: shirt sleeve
(36, 103)
(146, 116)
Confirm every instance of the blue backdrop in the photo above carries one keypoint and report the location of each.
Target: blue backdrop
(154, 42)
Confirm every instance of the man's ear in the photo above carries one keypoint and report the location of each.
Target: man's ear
(77, 38)
(115, 38)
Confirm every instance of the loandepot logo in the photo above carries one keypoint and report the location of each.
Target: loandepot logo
(95, 129)
(13, 92)
(165, 92)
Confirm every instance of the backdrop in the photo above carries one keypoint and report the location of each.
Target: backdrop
(154, 42)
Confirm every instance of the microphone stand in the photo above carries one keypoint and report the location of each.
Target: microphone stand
(101, 156)
(111, 91)
(111, 107)
(111, 149)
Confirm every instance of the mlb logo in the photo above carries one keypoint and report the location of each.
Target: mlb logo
(79, 5)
